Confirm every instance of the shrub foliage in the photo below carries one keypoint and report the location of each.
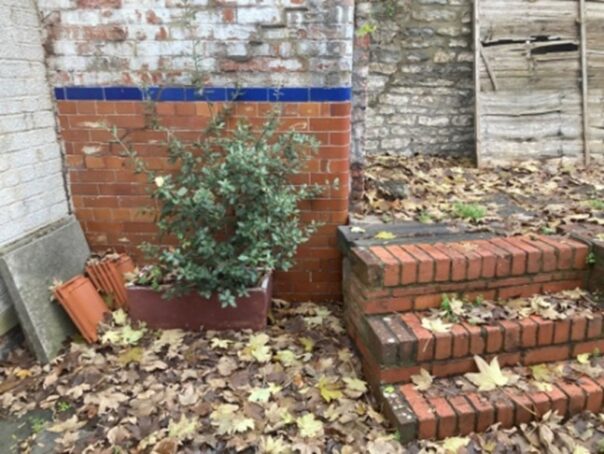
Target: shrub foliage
(229, 208)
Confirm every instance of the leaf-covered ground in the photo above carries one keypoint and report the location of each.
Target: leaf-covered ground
(531, 197)
(295, 387)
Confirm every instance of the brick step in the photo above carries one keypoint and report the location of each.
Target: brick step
(438, 413)
(402, 278)
(395, 346)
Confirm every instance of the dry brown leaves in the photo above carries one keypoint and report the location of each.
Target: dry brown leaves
(532, 197)
(556, 306)
(583, 434)
(293, 388)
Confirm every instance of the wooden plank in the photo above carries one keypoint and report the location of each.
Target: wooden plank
(584, 83)
(533, 107)
(487, 65)
(477, 113)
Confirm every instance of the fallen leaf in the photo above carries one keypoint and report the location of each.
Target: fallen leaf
(68, 425)
(355, 387)
(307, 343)
(583, 358)
(329, 388)
(260, 395)
(216, 342)
(287, 357)
(489, 376)
(182, 429)
(436, 325)
(309, 426)
(119, 317)
(453, 445)
(273, 445)
(423, 380)
(132, 355)
(23, 373)
(118, 435)
(228, 420)
(226, 366)
(384, 235)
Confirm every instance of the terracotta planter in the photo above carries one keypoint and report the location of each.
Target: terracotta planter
(193, 312)
(83, 304)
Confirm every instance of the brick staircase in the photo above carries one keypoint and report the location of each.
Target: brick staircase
(390, 285)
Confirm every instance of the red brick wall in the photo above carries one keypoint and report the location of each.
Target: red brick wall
(109, 199)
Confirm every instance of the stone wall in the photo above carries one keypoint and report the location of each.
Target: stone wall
(417, 78)
(32, 188)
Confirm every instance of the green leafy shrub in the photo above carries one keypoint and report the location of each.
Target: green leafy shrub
(469, 211)
(229, 208)
(597, 204)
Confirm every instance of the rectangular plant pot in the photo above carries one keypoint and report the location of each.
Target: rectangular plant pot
(194, 312)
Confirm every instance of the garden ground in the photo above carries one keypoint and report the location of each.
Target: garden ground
(296, 387)
(532, 197)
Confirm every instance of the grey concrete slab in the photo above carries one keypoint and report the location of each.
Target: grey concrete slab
(29, 267)
(404, 233)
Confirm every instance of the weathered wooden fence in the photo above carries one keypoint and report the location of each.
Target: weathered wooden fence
(539, 78)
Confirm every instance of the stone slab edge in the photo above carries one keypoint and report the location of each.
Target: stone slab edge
(405, 233)
(44, 351)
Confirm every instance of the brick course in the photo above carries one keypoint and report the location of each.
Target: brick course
(400, 346)
(413, 277)
(418, 416)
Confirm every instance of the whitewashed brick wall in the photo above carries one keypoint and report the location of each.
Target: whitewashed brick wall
(32, 192)
(249, 42)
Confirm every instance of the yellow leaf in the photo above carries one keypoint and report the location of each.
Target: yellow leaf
(270, 445)
(262, 354)
(307, 343)
(354, 384)
(287, 357)
(309, 426)
(543, 386)
(132, 355)
(216, 342)
(258, 349)
(330, 389)
(436, 325)
(260, 395)
(452, 445)
(583, 358)
(23, 373)
(182, 429)
(541, 372)
(228, 420)
(384, 235)
(119, 317)
(423, 380)
(490, 376)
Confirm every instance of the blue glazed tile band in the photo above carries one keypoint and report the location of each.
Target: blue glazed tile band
(210, 94)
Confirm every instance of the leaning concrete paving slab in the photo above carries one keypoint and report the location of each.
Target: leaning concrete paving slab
(29, 267)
